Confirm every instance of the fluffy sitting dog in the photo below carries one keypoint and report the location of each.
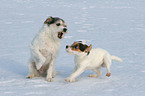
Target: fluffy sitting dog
(44, 48)
(87, 58)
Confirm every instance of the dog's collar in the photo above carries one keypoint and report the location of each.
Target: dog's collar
(88, 53)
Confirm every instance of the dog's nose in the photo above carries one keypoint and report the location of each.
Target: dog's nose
(66, 46)
(64, 29)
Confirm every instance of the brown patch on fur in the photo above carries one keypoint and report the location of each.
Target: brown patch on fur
(88, 49)
(77, 46)
(43, 70)
(48, 20)
(108, 74)
(93, 75)
(75, 49)
(75, 43)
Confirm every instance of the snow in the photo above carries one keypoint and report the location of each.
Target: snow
(115, 25)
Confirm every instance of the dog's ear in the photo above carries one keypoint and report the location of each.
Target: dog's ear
(88, 49)
(49, 20)
(82, 41)
(75, 43)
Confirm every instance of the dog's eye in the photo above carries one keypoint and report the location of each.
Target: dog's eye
(76, 46)
(58, 24)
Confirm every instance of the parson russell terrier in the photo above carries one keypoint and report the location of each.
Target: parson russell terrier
(44, 48)
(87, 58)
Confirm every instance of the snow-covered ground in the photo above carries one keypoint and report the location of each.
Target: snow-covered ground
(115, 25)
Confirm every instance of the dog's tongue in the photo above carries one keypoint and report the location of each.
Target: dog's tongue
(60, 34)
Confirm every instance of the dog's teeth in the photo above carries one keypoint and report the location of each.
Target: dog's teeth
(60, 35)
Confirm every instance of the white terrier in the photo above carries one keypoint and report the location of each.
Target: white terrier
(87, 58)
(44, 48)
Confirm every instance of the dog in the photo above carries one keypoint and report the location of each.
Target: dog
(44, 48)
(87, 58)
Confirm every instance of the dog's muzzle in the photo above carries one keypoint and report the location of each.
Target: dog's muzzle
(64, 29)
(66, 46)
(60, 34)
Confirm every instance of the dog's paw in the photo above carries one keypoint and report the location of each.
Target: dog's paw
(53, 75)
(93, 75)
(70, 80)
(30, 76)
(108, 74)
(49, 79)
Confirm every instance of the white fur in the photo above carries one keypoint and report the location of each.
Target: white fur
(96, 59)
(44, 49)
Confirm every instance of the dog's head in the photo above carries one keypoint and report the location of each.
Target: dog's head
(57, 26)
(78, 48)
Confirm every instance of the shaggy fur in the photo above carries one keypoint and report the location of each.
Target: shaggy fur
(44, 48)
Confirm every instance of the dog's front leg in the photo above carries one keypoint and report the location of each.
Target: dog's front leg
(72, 77)
(76, 67)
(50, 70)
(38, 57)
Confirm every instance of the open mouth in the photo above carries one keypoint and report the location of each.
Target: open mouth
(60, 35)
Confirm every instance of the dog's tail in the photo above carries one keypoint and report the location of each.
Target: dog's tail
(116, 58)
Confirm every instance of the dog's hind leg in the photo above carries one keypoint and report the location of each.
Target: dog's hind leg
(33, 71)
(107, 62)
(98, 72)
